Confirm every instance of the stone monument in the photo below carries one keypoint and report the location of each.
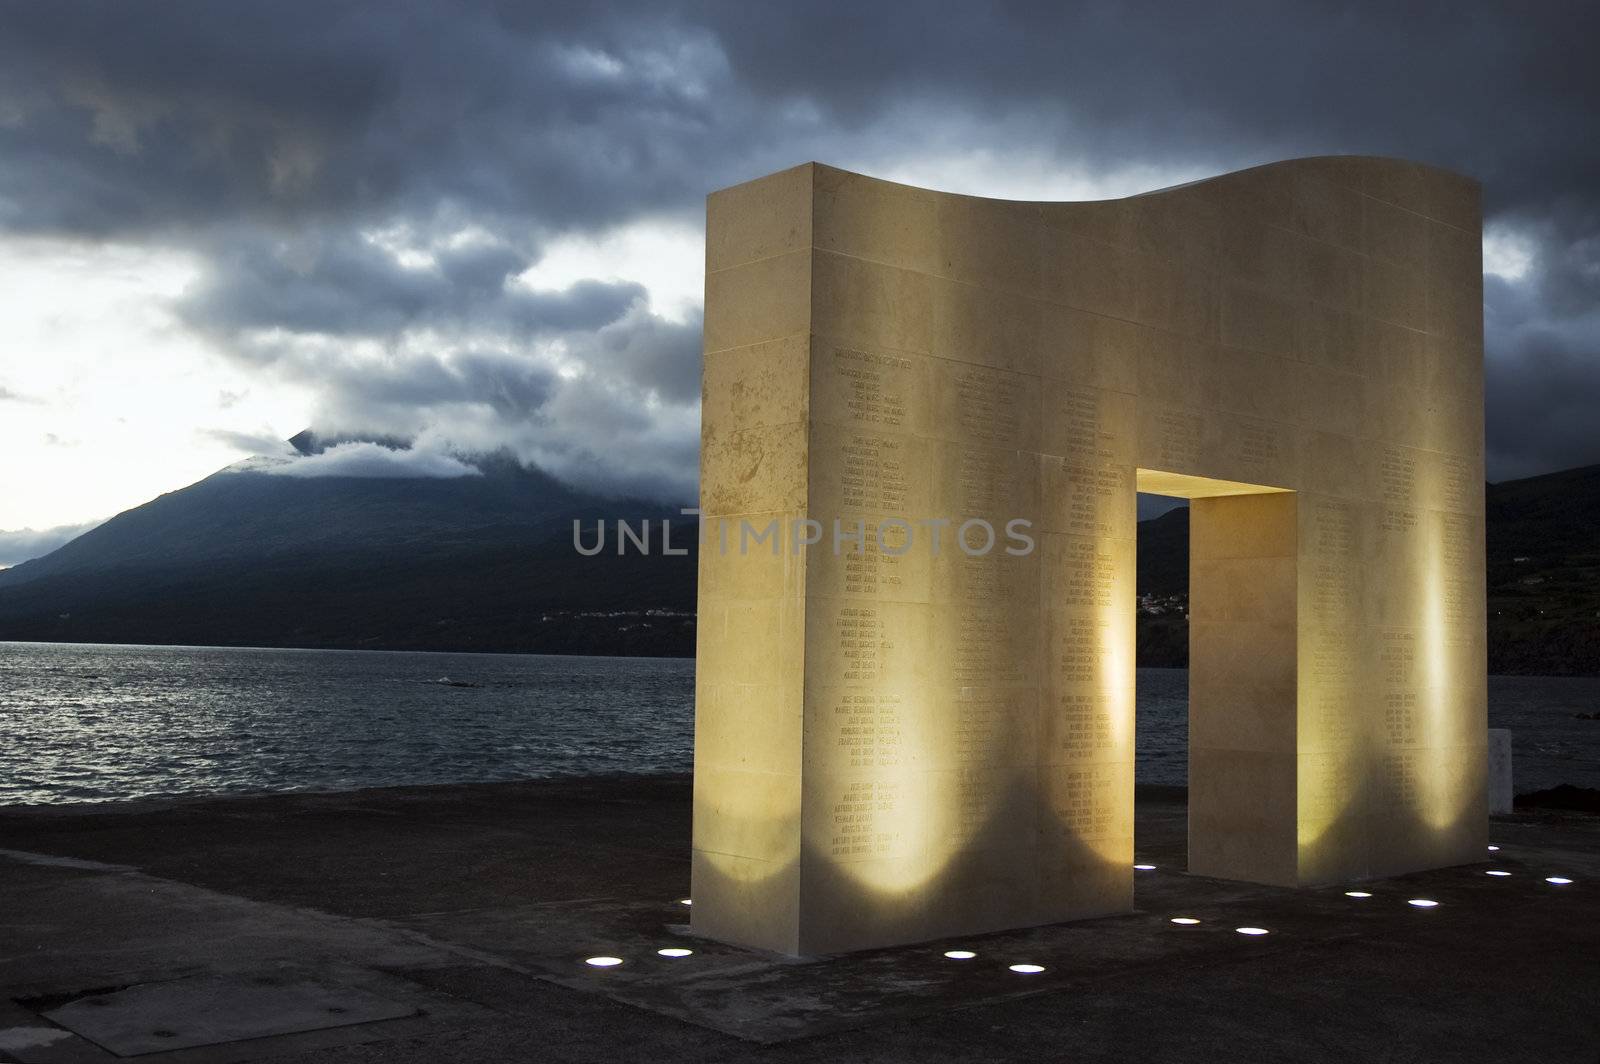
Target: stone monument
(900, 737)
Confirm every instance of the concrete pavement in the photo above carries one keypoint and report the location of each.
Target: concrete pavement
(459, 918)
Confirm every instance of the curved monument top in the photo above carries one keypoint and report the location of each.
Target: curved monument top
(1367, 205)
(1442, 195)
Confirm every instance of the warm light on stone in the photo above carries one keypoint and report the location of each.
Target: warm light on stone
(1252, 930)
(1423, 903)
(1027, 969)
(894, 745)
(674, 952)
(960, 954)
(603, 962)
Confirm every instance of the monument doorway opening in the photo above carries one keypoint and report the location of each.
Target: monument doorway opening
(1242, 697)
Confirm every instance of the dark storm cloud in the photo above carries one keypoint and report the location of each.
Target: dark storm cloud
(1542, 374)
(284, 141)
(343, 284)
(661, 356)
(1497, 90)
(128, 118)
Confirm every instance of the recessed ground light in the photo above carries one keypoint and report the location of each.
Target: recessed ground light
(1494, 849)
(1559, 881)
(1184, 920)
(1145, 867)
(1357, 894)
(1252, 930)
(604, 962)
(1422, 903)
(1027, 969)
(960, 954)
(1496, 872)
(674, 951)
(685, 901)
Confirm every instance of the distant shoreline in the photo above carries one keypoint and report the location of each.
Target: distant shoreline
(548, 654)
(339, 650)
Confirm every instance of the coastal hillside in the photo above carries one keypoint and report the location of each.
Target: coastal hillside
(1544, 574)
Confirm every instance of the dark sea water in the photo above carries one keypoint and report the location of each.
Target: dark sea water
(92, 723)
(81, 723)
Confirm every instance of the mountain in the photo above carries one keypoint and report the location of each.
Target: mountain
(251, 557)
(1544, 574)
(1163, 555)
(1162, 582)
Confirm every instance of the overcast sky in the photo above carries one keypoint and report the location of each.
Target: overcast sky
(479, 225)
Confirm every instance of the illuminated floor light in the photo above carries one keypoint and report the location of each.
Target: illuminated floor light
(1357, 894)
(674, 952)
(1185, 920)
(960, 954)
(1422, 903)
(1145, 867)
(1494, 849)
(1496, 872)
(1252, 930)
(604, 962)
(685, 901)
(1027, 969)
(1559, 881)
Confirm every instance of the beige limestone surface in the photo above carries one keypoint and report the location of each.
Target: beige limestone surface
(896, 743)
